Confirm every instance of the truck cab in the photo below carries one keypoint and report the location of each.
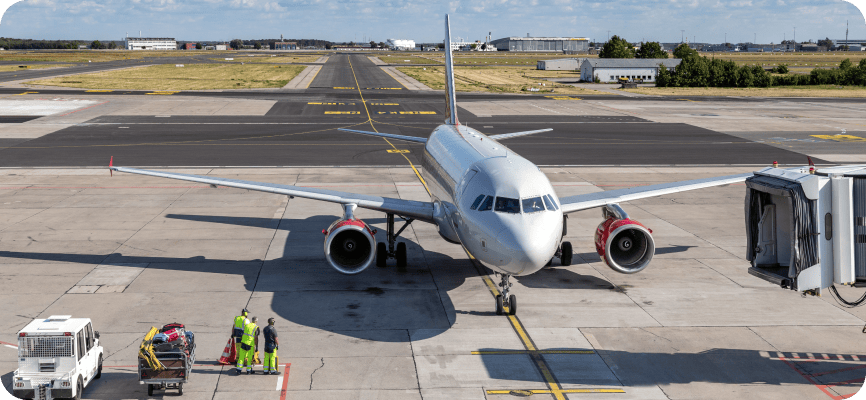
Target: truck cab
(57, 358)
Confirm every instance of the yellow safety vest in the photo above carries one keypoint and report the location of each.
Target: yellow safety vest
(249, 338)
(241, 322)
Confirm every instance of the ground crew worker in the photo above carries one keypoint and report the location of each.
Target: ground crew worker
(272, 344)
(249, 342)
(241, 322)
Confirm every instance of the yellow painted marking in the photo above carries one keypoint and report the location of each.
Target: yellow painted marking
(342, 112)
(539, 352)
(370, 120)
(311, 80)
(384, 104)
(348, 88)
(384, 88)
(398, 151)
(332, 104)
(99, 91)
(165, 92)
(563, 98)
(418, 112)
(541, 391)
(22, 94)
(841, 138)
(693, 101)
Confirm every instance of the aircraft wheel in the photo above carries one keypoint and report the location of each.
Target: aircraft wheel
(499, 307)
(567, 253)
(512, 304)
(381, 255)
(401, 255)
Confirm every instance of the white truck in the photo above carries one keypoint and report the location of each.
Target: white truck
(57, 358)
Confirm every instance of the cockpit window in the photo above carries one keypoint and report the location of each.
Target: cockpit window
(550, 203)
(506, 205)
(487, 204)
(477, 202)
(533, 204)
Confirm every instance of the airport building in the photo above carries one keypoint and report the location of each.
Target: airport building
(285, 45)
(151, 43)
(541, 44)
(561, 64)
(401, 44)
(611, 69)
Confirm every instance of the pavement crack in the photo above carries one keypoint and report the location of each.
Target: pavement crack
(127, 346)
(314, 372)
(660, 337)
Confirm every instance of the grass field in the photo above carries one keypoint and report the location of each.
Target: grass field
(264, 58)
(190, 77)
(7, 68)
(495, 79)
(83, 56)
(781, 91)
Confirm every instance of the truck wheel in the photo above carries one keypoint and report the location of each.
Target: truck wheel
(79, 390)
(149, 389)
(99, 369)
(180, 389)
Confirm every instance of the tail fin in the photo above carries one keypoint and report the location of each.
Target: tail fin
(451, 106)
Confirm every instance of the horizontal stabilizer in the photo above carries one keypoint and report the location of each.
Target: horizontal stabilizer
(516, 134)
(387, 135)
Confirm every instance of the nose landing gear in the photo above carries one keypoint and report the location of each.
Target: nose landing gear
(505, 300)
(392, 249)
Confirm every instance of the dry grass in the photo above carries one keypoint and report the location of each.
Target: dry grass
(190, 77)
(782, 91)
(83, 56)
(495, 79)
(270, 60)
(7, 68)
(407, 59)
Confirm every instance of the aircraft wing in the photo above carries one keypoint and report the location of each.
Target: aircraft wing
(422, 211)
(387, 135)
(593, 200)
(516, 134)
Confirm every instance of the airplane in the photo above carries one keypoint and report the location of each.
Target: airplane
(497, 205)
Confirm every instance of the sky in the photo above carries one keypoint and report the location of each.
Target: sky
(758, 21)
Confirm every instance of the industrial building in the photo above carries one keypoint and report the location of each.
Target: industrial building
(611, 69)
(541, 44)
(561, 64)
(151, 43)
(401, 44)
(285, 45)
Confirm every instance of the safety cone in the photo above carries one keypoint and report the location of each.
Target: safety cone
(229, 355)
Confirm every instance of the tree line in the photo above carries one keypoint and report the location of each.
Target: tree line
(700, 71)
(31, 44)
(618, 47)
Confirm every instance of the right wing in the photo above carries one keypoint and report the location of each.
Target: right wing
(387, 135)
(422, 211)
(599, 199)
(516, 134)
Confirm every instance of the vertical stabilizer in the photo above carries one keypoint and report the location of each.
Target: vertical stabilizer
(451, 106)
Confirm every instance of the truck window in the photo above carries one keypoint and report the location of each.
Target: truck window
(88, 333)
(80, 345)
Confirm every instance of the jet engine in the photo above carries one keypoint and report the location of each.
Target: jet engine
(349, 245)
(625, 245)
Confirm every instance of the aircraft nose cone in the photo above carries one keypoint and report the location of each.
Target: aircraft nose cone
(530, 249)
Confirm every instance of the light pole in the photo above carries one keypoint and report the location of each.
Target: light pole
(795, 35)
(682, 35)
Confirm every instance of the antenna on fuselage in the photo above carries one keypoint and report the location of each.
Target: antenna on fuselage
(450, 99)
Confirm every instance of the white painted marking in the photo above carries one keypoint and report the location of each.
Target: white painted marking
(11, 347)
(40, 107)
(280, 383)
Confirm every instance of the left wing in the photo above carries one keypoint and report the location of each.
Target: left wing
(593, 200)
(516, 134)
(386, 135)
(422, 211)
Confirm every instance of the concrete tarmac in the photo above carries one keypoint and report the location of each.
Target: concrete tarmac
(132, 252)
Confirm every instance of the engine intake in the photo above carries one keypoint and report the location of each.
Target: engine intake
(349, 245)
(625, 245)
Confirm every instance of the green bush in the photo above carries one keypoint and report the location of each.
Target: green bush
(696, 71)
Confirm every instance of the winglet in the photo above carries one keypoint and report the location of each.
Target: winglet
(111, 164)
(450, 99)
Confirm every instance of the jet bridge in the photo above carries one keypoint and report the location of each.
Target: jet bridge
(806, 230)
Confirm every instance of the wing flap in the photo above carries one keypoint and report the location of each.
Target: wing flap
(422, 211)
(593, 200)
(387, 135)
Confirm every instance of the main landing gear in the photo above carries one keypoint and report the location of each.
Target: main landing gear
(392, 249)
(505, 300)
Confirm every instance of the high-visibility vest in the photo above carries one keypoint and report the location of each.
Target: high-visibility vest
(249, 338)
(241, 322)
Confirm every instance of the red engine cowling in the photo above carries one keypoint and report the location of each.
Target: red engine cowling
(349, 245)
(625, 245)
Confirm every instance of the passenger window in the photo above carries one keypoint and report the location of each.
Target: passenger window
(80, 347)
(476, 202)
(487, 205)
(88, 332)
(534, 204)
(506, 205)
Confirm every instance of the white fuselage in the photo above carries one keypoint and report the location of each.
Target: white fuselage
(521, 230)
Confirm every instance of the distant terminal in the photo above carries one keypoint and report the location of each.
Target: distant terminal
(140, 43)
(541, 44)
(285, 45)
